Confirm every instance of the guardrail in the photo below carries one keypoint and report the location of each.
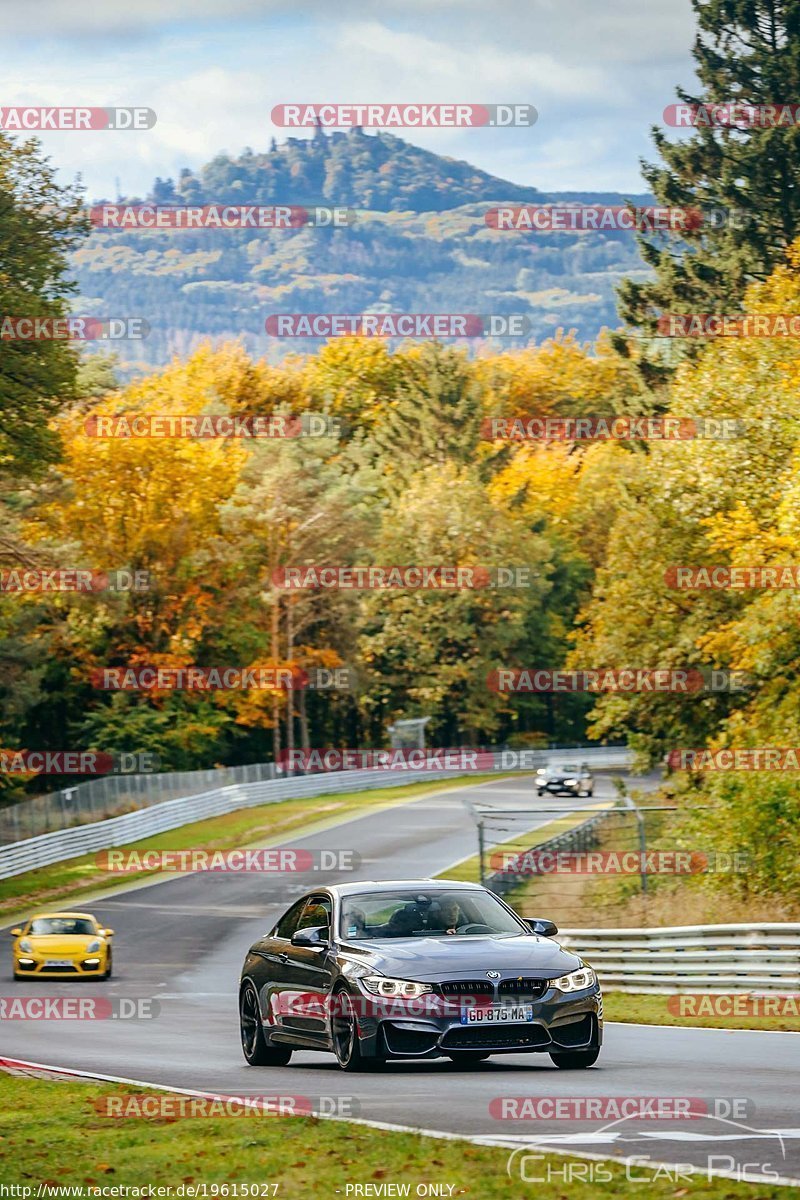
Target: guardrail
(755, 957)
(47, 848)
(145, 822)
(112, 795)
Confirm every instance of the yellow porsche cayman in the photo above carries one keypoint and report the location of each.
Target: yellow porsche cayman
(62, 945)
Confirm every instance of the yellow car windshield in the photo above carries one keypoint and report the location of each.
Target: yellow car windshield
(64, 926)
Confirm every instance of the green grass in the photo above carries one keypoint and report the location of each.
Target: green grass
(82, 876)
(51, 1132)
(655, 1010)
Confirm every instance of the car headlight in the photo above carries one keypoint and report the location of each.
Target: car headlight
(576, 981)
(570, 781)
(25, 946)
(382, 985)
(93, 947)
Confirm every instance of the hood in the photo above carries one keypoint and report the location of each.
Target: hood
(434, 959)
(61, 943)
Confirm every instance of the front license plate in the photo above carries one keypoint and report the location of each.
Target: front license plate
(58, 962)
(496, 1016)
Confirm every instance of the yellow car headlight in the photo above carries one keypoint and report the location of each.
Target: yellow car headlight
(93, 947)
(25, 946)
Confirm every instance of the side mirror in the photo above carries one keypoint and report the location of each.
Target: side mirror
(15, 933)
(542, 926)
(107, 932)
(314, 937)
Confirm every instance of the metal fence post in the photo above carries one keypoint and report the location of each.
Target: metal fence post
(642, 840)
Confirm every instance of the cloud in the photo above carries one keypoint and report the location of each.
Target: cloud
(436, 70)
(620, 31)
(599, 77)
(95, 19)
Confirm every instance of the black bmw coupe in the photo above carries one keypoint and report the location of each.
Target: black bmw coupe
(415, 969)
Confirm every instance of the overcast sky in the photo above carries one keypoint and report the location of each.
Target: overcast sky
(599, 75)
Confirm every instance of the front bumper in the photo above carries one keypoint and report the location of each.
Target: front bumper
(27, 966)
(559, 788)
(560, 1022)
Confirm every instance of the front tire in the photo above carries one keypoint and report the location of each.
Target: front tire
(255, 1047)
(344, 1035)
(575, 1060)
(109, 967)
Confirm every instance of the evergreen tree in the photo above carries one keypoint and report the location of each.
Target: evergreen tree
(434, 417)
(40, 222)
(745, 180)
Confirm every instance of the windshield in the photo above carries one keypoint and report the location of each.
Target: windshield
(377, 915)
(62, 925)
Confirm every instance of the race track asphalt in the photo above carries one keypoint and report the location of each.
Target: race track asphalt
(182, 942)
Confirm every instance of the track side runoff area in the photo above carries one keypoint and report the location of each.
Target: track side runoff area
(120, 1139)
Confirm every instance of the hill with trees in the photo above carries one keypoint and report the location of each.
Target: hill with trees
(420, 243)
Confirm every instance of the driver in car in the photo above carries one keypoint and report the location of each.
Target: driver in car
(452, 916)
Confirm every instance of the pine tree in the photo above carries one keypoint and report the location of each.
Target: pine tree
(433, 418)
(40, 222)
(744, 180)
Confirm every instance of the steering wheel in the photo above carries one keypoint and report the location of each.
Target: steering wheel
(474, 928)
